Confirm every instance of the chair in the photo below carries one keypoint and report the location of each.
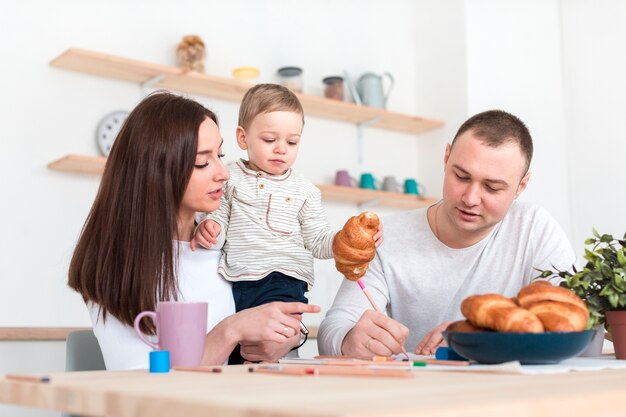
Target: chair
(82, 353)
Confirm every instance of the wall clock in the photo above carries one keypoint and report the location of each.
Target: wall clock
(107, 130)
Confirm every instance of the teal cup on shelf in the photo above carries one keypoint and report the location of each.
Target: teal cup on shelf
(368, 182)
(411, 186)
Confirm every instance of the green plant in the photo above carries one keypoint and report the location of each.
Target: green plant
(602, 281)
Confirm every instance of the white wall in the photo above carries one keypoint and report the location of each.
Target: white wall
(514, 63)
(48, 112)
(594, 59)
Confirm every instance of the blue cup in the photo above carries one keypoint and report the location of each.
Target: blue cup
(159, 361)
(368, 181)
(412, 187)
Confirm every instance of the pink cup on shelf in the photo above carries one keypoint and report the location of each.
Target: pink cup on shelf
(343, 178)
(180, 329)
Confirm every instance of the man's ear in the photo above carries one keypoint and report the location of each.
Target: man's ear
(522, 184)
(446, 156)
(241, 138)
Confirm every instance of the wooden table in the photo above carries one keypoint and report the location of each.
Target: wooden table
(235, 392)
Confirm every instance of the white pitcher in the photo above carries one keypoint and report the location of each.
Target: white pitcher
(371, 91)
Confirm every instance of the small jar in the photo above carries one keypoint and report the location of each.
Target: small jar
(291, 77)
(333, 87)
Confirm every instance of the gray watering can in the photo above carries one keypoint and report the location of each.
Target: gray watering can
(369, 89)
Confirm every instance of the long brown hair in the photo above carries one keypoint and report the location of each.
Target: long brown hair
(125, 259)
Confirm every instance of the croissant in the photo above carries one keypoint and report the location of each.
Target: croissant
(499, 313)
(560, 317)
(559, 309)
(464, 326)
(545, 291)
(353, 246)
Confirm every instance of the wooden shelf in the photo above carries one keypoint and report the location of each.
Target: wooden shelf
(126, 69)
(37, 333)
(79, 163)
(95, 165)
(60, 333)
(374, 197)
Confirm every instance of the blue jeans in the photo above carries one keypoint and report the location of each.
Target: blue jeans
(274, 287)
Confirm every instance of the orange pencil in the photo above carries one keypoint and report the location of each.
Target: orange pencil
(332, 370)
(215, 370)
(27, 378)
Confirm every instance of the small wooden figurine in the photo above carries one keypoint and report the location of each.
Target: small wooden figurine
(191, 53)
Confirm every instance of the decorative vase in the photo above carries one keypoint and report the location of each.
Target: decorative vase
(597, 341)
(617, 324)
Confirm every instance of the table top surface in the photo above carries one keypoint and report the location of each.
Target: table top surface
(236, 392)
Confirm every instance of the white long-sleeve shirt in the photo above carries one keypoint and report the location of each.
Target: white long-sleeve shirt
(420, 282)
(198, 280)
(270, 223)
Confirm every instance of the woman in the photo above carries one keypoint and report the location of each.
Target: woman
(134, 249)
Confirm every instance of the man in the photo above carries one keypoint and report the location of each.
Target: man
(476, 240)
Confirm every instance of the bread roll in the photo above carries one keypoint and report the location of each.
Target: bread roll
(560, 317)
(499, 313)
(559, 309)
(353, 246)
(546, 291)
(464, 326)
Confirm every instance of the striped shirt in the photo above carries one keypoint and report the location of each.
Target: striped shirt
(270, 223)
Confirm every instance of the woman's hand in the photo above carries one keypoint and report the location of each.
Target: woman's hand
(374, 335)
(269, 351)
(273, 322)
(267, 332)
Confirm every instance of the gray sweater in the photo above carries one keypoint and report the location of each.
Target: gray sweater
(420, 282)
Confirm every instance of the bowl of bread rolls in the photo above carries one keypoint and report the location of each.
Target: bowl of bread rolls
(543, 324)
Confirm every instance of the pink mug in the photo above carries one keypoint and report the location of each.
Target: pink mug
(343, 178)
(181, 330)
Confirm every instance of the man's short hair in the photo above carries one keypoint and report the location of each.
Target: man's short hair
(497, 127)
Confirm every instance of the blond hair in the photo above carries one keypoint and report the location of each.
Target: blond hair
(266, 98)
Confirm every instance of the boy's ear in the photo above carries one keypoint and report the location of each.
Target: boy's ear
(241, 138)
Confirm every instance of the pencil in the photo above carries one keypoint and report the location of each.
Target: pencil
(375, 307)
(332, 370)
(215, 370)
(27, 378)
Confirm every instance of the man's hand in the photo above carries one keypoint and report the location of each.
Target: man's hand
(433, 339)
(206, 234)
(374, 335)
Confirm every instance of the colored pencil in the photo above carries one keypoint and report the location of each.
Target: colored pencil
(331, 370)
(27, 378)
(215, 370)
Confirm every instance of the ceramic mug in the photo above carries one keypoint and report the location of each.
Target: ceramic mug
(391, 184)
(180, 328)
(411, 186)
(343, 178)
(368, 181)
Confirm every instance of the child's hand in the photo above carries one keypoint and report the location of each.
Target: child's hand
(206, 234)
(378, 237)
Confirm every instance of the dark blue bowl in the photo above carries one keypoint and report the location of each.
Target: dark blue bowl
(528, 348)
